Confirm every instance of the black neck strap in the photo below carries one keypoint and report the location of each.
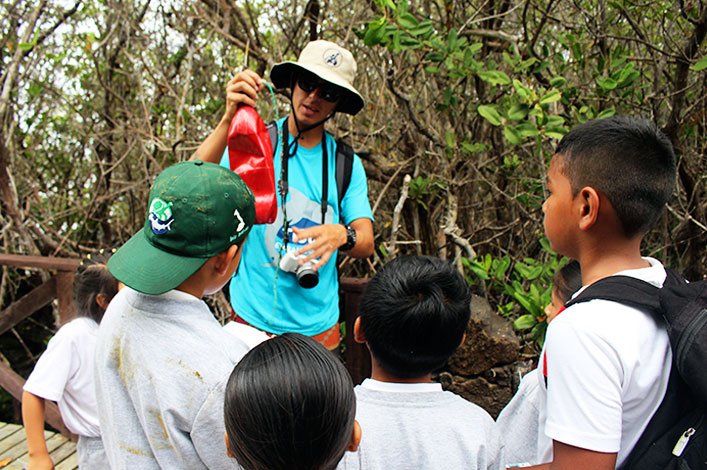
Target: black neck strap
(289, 149)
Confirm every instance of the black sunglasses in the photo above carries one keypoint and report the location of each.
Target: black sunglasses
(328, 92)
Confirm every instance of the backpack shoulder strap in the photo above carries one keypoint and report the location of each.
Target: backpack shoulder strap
(344, 167)
(623, 289)
(272, 132)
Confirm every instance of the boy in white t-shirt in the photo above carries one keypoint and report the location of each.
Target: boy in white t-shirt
(606, 365)
(414, 315)
(64, 373)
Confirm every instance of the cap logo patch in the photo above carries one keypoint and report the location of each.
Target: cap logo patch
(332, 57)
(241, 225)
(160, 216)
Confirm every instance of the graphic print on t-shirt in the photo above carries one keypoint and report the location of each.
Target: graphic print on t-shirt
(302, 213)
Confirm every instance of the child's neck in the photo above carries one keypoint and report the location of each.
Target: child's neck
(604, 259)
(377, 373)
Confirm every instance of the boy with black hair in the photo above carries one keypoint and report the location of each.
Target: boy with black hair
(606, 364)
(162, 359)
(414, 315)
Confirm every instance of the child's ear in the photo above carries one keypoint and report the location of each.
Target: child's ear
(589, 203)
(355, 437)
(229, 452)
(223, 260)
(359, 337)
(463, 339)
(102, 301)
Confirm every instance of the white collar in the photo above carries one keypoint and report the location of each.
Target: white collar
(175, 294)
(377, 385)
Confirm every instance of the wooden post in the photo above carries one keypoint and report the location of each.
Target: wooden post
(358, 360)
(65, 296)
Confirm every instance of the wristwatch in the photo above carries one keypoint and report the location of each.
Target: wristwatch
(350, 239)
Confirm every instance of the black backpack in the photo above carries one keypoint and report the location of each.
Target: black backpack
(675, 436)
(344, 161)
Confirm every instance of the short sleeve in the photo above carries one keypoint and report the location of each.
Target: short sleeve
(208, 430)
(54, 368)
(584, 393)
(225, 161)
(356, 204)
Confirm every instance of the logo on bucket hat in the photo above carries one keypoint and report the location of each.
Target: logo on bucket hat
(197, 210)
(332, 57)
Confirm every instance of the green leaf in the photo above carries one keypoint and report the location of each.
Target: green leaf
(490, 113)
(522, 90)
(423, 29)
(512, 135)
(388, 3)
(450, 139)
(524, 322)
(527, 129)
(407, 21)
(435, 57)
(607, 83)
(494, 77)
(700, 65)
(555, 132)
(554, 121)
(25, 46)
(551, 97)
(558, 82)
(452, 39)
(35, 90)
(517, 112)
(374, 35)
(473, 147)
(608, 112)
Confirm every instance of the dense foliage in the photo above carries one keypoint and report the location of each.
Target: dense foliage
(465, 102)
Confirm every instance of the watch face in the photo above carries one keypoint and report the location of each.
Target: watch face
(350, 238)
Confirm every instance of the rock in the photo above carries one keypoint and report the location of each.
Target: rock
(490, 342)
(491, 390)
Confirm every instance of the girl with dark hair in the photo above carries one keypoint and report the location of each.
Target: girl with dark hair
(525, 444)
(64, 373)
(290, 404)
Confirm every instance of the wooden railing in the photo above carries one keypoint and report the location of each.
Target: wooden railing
(60, 287)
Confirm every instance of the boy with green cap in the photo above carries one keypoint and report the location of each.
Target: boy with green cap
(162, 359)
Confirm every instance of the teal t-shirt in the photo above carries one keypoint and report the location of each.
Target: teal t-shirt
(271, 299)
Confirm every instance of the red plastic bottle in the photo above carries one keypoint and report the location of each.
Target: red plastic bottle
(251, 157)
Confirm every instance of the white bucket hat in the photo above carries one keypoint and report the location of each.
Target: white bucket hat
(331, 63)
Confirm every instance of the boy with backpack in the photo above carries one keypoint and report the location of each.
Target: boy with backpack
(605, 364)
(414, 315)
(162, 359)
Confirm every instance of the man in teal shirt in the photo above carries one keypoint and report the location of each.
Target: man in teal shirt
(317, 225)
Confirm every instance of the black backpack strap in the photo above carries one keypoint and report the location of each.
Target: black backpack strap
(625, 290)
(272, 132)
(344, 167)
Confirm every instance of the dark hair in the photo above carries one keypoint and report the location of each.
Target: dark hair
(289, 404)
(567, 280)
(629, 160)
(414, 314)
(93, 279)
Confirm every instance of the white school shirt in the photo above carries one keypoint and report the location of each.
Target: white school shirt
(419, 426)
(607, 366)
(64, 374)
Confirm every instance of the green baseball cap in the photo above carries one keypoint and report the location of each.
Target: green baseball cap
(196, 210)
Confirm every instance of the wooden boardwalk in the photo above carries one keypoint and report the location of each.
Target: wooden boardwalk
(13, 449)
